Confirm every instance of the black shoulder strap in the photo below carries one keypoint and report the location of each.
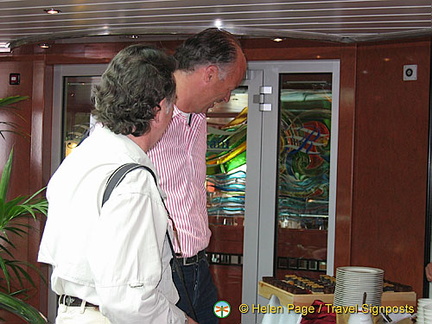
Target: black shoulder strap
(118, 175)
(115, 178)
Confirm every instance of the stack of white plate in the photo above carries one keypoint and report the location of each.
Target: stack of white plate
(424, 311)
(353, 282)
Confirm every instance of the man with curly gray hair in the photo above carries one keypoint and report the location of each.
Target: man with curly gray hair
(111, 261)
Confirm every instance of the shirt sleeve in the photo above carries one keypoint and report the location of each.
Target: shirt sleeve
(129, 260)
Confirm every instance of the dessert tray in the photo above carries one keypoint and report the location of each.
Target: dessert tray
(301, 291)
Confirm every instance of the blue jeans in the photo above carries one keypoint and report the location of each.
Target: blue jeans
(201, 289)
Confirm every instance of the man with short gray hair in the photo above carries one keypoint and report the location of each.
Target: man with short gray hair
(210, 65)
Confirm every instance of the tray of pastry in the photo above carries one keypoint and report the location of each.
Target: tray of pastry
(303, 291)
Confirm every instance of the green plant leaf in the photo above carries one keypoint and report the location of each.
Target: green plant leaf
(20, 272)
(7, 250)
(5, 177)
(12, 127)
(6, 273)
(7, 102)
(22, 309)
(16, 132)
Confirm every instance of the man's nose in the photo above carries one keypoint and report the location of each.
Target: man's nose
(227, 97)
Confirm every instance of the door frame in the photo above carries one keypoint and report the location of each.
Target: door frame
(60, 72)
(260, 206)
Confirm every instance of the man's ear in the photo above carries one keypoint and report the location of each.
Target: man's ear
(211, 73)
(163, 104)
(164, 109)
(156, 116)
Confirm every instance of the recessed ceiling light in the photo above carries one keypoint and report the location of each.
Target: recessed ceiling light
(277, 39)
(52, 11)
(218, 23)
(44, 45)
(4, 48)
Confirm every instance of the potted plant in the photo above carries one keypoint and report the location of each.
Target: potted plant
(6, 104)
(12, 212)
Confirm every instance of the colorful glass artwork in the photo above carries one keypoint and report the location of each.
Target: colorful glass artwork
(304, 154)
(226, 167)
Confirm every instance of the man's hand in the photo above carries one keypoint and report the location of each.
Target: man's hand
(190, 320)
(429, 272)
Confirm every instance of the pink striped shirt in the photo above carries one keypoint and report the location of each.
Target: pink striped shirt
(179, 158)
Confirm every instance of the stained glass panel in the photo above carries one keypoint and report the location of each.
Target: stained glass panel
(303, 171)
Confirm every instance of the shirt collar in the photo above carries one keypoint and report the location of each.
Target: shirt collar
(181, 114)
(122, 144)
(177, 112)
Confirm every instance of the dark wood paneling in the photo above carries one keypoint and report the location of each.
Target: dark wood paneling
(228, 278)
(288, 51)
(88, 53)
(302, 246)
(344, 187)
(390, 165)
(226, 238)
(21, 144)
(21, 170)
(302, 243)
(40, 164)
(32, 155)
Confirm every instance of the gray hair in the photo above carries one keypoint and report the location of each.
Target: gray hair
(211, 46)
(138, 78)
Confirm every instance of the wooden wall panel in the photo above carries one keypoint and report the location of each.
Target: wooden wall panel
(228, 278)
(21, 145)
(40, 163)
(21, 169)
(390, 165)
(265, 49)
(344, 185)
(85, 53)
(32, 155)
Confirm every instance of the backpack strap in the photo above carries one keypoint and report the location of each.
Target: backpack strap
(118, 175)
(115, 178)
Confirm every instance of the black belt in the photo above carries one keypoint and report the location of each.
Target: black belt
(74, 301)
(193, 259)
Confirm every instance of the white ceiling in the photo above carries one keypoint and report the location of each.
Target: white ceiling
(25, 22)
